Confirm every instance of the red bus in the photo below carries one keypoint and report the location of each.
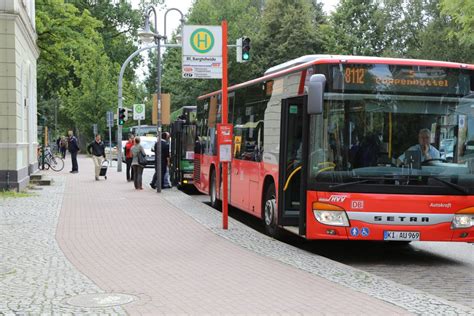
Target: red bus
(347, 147)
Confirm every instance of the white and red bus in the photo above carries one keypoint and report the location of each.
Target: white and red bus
(348, 147)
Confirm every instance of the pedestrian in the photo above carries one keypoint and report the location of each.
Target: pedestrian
(97, 150)
(73, 149)
(167, 178)
(165, 158)
(137, 149)
(63, 146)
(129, 156)
(57, 143)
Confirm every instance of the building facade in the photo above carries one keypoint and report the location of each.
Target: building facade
(18, 107)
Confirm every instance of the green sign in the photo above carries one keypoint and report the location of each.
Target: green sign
(202, 40)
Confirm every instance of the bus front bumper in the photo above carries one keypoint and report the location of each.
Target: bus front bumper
(359, 230)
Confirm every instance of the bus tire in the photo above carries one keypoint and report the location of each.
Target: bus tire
(215, 203)
(270, 212)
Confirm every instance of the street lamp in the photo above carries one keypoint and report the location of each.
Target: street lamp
(147, 36)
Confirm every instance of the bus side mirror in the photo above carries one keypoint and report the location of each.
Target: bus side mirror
(316, 87)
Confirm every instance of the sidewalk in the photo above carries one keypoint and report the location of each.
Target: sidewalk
(168, 252)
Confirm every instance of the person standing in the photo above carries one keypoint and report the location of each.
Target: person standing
(63, 146)
(73, 149)
(129, 156)
(137, 168)
(165, 157)
(97, 150)
(167, 179)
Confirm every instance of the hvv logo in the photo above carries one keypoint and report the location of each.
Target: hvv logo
(334, 198)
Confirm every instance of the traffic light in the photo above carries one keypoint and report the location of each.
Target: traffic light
(243, 49)
(122, 117)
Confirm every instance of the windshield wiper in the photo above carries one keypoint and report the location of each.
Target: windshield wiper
(347, 184)
(452, 185)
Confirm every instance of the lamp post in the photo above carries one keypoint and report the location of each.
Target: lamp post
(147, 36)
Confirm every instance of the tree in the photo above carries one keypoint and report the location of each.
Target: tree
(287, 31)
(404, 21)
(358, 28)
(462, 14)
(64, 34)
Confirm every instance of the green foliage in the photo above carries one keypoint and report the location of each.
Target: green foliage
(83, 44)
(64, 34)
(14, 194)
(287, 31)
(358, 28)
(462, 13)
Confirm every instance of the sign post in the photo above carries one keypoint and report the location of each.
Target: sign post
(225, 129)
(205, 57)
(110, 124)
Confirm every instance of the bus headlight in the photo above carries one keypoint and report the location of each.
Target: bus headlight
(334, 218)
(329, 214)
(463, 221)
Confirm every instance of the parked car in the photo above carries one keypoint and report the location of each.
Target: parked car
(148, 144)
(111, 155)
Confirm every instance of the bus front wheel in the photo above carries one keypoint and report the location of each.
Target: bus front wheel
(270, 212)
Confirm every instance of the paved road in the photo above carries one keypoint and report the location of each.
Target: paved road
(442, 269)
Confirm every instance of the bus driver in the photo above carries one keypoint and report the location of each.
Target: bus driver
(427, 151)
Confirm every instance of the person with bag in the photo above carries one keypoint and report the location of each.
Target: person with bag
(138, 163)
(97, 150)
(129, 156)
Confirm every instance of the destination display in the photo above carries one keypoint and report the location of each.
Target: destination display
(400, 79)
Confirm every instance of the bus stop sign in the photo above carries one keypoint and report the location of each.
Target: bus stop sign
(224, 139)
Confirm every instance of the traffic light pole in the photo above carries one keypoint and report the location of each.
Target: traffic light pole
(158, 121)
(120, 105)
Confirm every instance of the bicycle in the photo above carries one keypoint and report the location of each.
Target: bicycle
(50, 160)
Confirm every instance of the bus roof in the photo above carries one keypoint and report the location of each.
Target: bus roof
(306, 61)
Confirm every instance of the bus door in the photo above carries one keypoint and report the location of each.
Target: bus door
(291, 197)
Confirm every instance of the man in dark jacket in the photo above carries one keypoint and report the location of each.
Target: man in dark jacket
(73, 149)
(165, 157)
(97, 150)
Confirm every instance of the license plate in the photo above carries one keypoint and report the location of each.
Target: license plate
(410, 236)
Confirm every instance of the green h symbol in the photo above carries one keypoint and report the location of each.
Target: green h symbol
(203, 40)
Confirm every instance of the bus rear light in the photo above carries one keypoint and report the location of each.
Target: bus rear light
(462, 221)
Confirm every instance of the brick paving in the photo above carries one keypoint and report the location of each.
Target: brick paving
(138, 243)
(35, 276)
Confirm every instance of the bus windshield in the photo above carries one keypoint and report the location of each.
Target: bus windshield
(389, 141)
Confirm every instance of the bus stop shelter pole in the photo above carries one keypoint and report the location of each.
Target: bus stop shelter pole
(225, 166)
